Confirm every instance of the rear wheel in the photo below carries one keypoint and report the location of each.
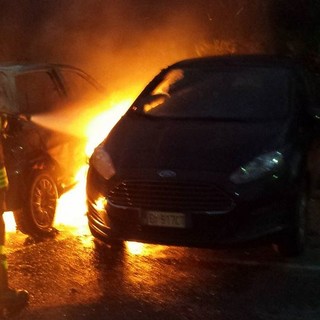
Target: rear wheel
(37, 215)
(293, 242)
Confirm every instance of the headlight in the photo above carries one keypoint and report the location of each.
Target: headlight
(266, 163)
(102, 162)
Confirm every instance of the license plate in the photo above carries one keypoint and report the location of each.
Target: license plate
(165, 219)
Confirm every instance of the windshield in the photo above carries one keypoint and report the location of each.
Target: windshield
(232, 93)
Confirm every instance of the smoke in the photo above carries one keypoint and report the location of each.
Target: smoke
(123, 43)
(126, 41)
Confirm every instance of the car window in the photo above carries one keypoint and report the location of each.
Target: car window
(78, 87)
(37, 92)
(243, 93)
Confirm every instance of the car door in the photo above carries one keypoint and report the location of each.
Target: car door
(39, 95)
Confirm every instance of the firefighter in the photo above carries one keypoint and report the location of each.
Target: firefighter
(9, 298)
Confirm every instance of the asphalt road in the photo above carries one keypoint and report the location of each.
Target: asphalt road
(70, 277)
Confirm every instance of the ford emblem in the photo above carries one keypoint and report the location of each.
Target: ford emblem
(167, 174)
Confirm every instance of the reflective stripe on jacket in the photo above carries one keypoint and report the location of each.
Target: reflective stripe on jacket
(4, 183)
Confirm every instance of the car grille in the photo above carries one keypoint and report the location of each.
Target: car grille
(158, 195)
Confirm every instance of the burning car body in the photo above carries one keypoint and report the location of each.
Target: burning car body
(41, 162)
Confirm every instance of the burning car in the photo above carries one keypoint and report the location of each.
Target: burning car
(212, 152)
(41, 162)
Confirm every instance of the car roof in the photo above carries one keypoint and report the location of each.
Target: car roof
(12, 69)
(16, 68)
(251, 60)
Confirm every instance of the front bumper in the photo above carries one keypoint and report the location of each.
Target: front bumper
(257, 213)
(204, 231)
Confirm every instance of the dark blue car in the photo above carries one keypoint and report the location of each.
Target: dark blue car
(213, 152)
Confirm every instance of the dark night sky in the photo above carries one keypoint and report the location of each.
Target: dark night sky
(129, 39)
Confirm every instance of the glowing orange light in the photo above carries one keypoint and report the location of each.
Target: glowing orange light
(9, 221)
(100, 126)
(135, 248)
(71, 208)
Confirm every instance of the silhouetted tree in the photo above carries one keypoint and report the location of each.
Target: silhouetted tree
(297, 29)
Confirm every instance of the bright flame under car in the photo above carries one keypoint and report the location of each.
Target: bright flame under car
(71, 208)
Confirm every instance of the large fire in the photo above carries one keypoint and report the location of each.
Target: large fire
(71, 207)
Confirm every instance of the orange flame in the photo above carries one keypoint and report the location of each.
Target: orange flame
(100, 126)
(71, 208)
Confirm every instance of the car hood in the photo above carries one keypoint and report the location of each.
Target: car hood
(138, 142)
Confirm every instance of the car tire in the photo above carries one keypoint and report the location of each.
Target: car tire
(293, 242)
(36, 218)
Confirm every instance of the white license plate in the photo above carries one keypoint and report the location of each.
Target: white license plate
(165, 219)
